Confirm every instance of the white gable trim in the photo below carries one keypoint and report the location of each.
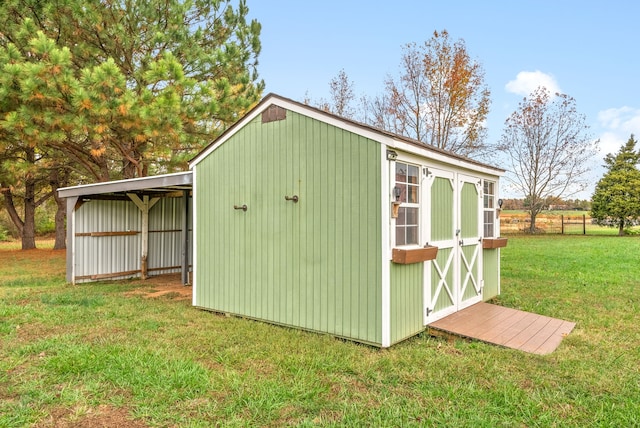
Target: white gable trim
(386, 139)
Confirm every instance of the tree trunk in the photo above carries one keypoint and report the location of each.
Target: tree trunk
(532, 226)
(61, 214)
(59, 179)
(621, 228)
(11, 209)
(29, 225)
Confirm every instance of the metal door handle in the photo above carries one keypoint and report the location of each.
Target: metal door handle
(293, 198)
(240, 207)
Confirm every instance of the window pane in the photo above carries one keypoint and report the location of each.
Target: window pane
(400, 239)
(488, 201)
(413, 174)
(489, 217)
(401, 172)
(401, 220)
(413, 194)
(488, 230)
(412, 216)
(412, 235)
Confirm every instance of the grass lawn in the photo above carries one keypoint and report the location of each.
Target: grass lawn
(96, 355)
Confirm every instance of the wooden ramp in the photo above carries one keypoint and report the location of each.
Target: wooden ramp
(536, 334)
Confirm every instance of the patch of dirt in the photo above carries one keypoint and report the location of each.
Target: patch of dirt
(101, 417)
(168, 286)
(35, 255)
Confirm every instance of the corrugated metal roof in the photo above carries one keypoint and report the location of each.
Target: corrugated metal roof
(159, 184)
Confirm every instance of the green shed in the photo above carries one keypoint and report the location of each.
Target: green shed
(309, 220)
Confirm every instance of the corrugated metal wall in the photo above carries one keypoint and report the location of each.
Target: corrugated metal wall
(315, 264)
(98, 256)
(165, 236)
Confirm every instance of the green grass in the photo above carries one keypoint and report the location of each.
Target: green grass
(76, 352)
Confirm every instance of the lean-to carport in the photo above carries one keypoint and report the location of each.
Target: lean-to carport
(129, 228)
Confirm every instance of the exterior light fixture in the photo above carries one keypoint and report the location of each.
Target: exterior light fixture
(396, 193)
(391, 155)
(500, 201)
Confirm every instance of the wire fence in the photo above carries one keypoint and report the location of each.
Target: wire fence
(578, 224)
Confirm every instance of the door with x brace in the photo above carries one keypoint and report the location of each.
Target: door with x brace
(452, 280)
(469, 241)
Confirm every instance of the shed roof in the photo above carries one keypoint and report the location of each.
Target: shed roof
(377, 134)
(159, 185)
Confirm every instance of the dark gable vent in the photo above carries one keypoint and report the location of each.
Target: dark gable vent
(273, 113)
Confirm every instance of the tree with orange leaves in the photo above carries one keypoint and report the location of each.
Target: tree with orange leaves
(440, 97)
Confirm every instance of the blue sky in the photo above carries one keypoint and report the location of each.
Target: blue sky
(586, 49)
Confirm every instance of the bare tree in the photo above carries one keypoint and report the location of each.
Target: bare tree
(375, 112)
(548, 148)
(342, 96)
(440, 97)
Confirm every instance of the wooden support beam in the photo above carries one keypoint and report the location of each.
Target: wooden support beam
(185, 237)
(145, 204)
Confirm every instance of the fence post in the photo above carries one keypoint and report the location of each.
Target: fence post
(562, 221)
(584, 224)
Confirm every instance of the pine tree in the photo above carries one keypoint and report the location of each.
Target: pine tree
(616, 199)
(115, 89)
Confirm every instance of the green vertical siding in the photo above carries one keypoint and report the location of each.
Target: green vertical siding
(469, 290)
(441, 209)
(469, 229)
(469, 211)
(443, 300)
(406, 300)
(442, 226)
(314, 264)
(491, 273)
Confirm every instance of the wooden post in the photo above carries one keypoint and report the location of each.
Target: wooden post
(584, 224)
(562, 221)
(185, 237)
(72, 206)
(144, 205)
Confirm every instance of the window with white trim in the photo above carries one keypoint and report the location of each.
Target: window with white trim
(406, 192)
(489, 208)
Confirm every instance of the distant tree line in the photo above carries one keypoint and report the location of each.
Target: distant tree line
(551, 203)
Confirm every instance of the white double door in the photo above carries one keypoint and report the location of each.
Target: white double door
(453, 220)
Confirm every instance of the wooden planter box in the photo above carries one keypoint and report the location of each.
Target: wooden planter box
(417, 255)
(489, 243)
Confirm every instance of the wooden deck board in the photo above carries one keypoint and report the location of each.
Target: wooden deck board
(528, 332)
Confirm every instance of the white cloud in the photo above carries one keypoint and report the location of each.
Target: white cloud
(624, 119)
(528, 81)
(618, 124)
(610, 142)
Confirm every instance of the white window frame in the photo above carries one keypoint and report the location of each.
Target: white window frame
(405, 204)
(489, 201)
